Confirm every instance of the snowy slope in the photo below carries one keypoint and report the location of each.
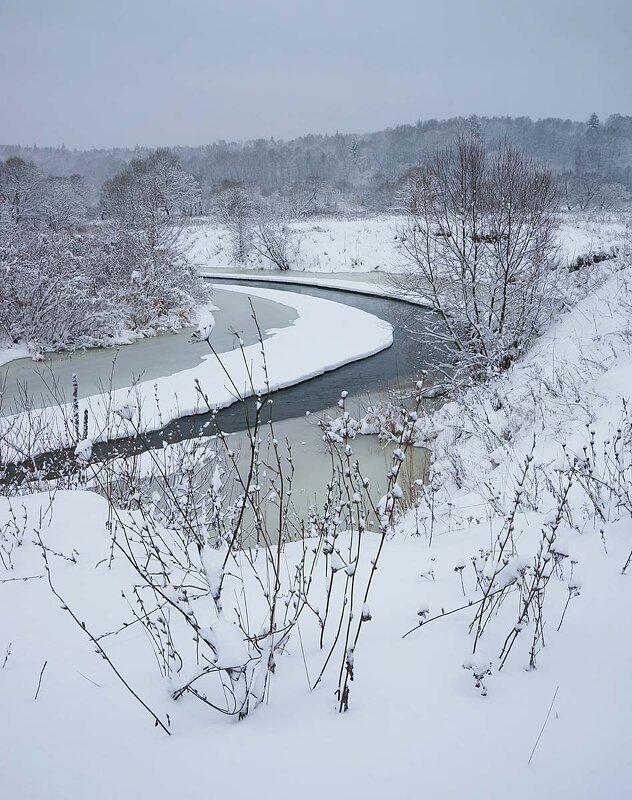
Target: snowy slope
(418, 726)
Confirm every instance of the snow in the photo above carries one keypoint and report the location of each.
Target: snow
(326, 245)
(324, 336)
(345, 284)
(127, 409)
(586, 233)
(11, 353)
(368, 246)
(83, 451)
(206, 323)
(413, 705)
(428, 717)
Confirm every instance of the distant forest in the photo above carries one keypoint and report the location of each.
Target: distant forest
(349, 173)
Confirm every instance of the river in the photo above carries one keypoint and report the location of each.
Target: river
(386, 375)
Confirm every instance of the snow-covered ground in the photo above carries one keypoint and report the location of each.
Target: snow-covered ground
(586, 233)
(369, 245)
(326, 245)
(418, 724)
(324, 336)
(14, 352)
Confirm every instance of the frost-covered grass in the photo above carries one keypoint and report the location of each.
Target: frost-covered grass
(369, 244)
(531, 487)
(325, 245)
(582, 233)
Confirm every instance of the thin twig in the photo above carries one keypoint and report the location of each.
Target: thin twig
(157, 721)
(39, 683)
(453, 611)
(543, 726)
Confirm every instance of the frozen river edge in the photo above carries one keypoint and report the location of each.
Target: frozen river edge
(324, 336)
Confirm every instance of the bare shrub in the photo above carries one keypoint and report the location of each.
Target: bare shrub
(478, 244)
(222, 566)
(273, 239)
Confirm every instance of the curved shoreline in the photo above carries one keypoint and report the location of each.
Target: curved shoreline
(102, 369)
(307, 279)
(325, 335)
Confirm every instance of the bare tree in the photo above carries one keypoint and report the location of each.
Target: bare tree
(582, 190)
(478, 244)
(234, 209)
(272, 238)
(20, 190)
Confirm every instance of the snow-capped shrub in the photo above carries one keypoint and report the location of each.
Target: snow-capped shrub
(81, 284)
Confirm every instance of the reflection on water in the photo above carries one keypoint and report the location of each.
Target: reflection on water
(313, 464)
(303, 456)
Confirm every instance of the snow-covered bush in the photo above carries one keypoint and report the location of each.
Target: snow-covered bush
(205, 531)
(50, 296)
(62, 290)
(215, 588)
(273, 239)
(540, 459)
(66, 283)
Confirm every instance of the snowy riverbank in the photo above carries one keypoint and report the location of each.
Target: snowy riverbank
(343, 282)
(12, 353)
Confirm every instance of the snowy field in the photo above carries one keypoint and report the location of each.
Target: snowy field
(514, 464)
(417, 724)
(369, 245)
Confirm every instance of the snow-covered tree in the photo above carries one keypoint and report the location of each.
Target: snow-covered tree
(66, 282)
(149, 193)
(478, 245)
(234, 208)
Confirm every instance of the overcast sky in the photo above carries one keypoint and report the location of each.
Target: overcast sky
(97, 73)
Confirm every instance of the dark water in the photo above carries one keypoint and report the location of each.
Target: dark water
(398, 366)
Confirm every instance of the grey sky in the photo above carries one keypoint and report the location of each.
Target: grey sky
(120, 72)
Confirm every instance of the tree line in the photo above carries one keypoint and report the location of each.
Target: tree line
(591, 162)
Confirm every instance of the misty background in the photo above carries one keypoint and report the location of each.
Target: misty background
(319, 108)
